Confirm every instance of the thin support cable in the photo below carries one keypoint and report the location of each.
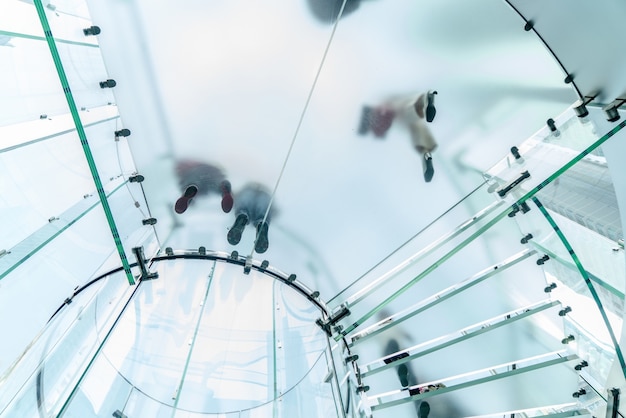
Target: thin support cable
(304, 110)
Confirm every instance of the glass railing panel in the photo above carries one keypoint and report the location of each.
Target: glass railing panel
(32, 197)
(310, 398)
(28, 133)
(478, 285)
(36, 241)
(464, 350)
(495, 390)
(114, 162)
(436, 273)
(543, 154)
(246, 339)
(34, 290)
(45, 374)
(462, 216)
(67, 21)
(164, 347)
(85, 69)
(30, 86)
(564, 282)
(601, 257)
(19, 18)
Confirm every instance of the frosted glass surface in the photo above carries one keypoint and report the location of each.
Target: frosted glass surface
(271, 93)
(573, 30)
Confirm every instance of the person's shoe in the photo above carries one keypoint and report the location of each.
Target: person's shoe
(403, 375)
(429, 169)
(430, 106)
(234, 235)
(183, 202)
(424, 410)
(227, 196)
(262, 241)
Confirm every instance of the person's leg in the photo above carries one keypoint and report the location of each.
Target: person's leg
(227, 196)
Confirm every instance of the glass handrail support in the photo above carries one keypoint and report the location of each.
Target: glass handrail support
(423, 349)
(442, 296)
(538, 185)
(458, 383)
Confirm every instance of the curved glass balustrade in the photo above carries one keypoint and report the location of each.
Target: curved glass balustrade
(203, 339)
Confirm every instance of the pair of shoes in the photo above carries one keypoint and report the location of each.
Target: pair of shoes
(183, 202)
(262, 241)
(403, 375)
(424, 410)
(429, 169)
(227, 196)
(234, 235)
(431, 111)
(376, 119)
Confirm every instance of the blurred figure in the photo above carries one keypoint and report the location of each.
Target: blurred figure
(407, 377)
(327, 11)
(413, 113)
(251, 203)
(198, 179)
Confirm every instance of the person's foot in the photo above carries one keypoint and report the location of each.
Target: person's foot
(430, 106)
(183, 202)
(426, 102)
(227, 196)
(403, 375)
(429, 169)
(234, 235)
(262, 241)
(424, 410)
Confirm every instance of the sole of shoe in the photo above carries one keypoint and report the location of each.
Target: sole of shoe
(183, 202)
(234, 235)
(262, 241)
(431, 111)
(429, 169)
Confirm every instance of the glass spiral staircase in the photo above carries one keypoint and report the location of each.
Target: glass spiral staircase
(508, 303)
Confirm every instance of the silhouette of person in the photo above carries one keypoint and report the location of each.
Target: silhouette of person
(413, 113)
(197, 179)
(327, 11)
(251, 204)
